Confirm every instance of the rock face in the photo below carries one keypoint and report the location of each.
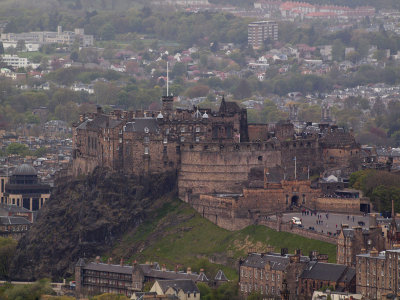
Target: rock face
(86, 218)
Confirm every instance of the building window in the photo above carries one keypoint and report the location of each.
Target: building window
(146, 150)
(182, 129)
(197, 139)
(197, 128)
(165, 140)
(182, 139)
(146, 139)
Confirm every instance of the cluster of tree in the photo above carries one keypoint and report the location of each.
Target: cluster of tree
(26, 292)
(382, 187)
(23, 150)
(185, 28)
(315, 35)
(227, 291)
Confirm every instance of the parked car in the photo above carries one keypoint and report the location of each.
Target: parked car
(296, 221)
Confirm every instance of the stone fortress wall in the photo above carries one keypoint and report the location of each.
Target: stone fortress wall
(231, 172)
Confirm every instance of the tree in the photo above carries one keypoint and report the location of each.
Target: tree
(20, 45)
(74, 56)
(179, 69)
(17, 149)
(7, 250)
(242, 90)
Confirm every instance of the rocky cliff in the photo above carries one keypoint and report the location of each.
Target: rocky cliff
(86, 217)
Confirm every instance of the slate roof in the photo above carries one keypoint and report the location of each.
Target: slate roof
(277, 262)
(220, 276)
(139, 125)
(171, 275)
(13, 208)
(186, 285)
(152, 271)
(108, 268)
(324, 271)
(14, 221)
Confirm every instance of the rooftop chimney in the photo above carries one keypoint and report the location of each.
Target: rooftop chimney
(109, 261)
(163, 268)
(97, 259)
(284, 251)
(189, 270)
(121, 262)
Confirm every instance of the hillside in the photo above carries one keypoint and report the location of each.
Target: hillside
(177, 234)
(85, 218)
(141, 219)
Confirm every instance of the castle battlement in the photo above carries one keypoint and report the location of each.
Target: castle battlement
(216, 152)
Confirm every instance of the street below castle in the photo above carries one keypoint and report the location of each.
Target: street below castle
(328, 222)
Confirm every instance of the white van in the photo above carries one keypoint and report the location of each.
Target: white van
(296, 220)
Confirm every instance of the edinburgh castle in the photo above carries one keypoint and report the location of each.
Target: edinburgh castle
(230, 171)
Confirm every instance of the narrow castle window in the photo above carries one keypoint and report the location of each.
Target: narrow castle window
(146, 150)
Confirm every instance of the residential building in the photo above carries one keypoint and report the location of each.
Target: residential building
(15, 61)
(351, 241)
(266, 273)
(51, 37)
(184, 289)
(96, 277)
(317, 275)
(378, 273)
(259, 32)
(14, 227)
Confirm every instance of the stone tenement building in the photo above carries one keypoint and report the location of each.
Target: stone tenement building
(228, 170)
(378, 273)
(351, 241)
(270, 273)
(96, 277)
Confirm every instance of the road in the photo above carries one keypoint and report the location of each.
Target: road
(332, 223)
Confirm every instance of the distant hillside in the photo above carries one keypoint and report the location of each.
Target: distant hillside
(116, 216)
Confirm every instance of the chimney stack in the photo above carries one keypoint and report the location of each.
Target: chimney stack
(163, 268)
(109, 261)
(189, 270)
(121, 262)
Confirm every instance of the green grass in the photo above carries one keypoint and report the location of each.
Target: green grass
(177, 234)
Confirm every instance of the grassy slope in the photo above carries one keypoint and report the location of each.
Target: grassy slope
(178, 234)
